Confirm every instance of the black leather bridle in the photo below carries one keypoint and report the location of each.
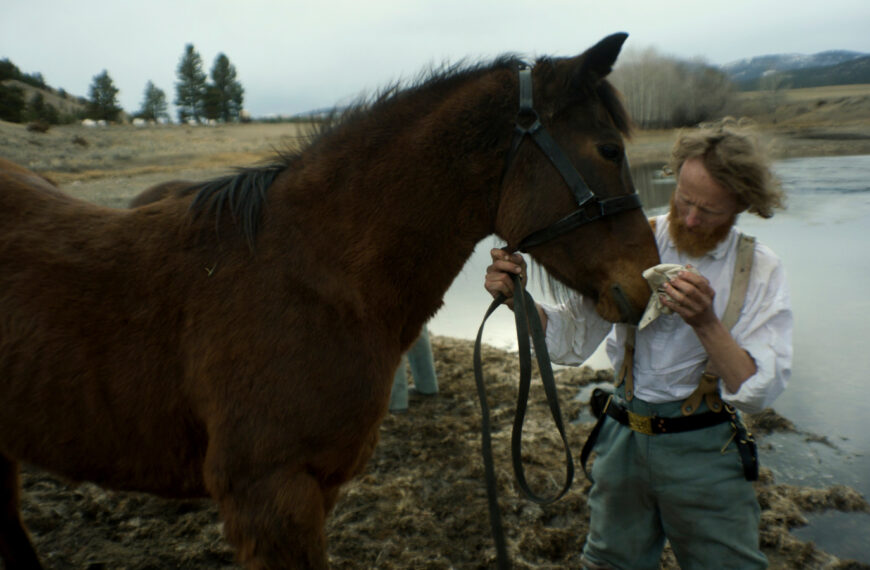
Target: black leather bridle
(589, 206)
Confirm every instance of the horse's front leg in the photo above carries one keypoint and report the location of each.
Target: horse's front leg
(276, 519)
(277, 522)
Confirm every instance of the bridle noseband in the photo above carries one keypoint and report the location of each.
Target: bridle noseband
(589, 206)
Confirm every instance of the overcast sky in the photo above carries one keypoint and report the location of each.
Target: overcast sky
(296, 55)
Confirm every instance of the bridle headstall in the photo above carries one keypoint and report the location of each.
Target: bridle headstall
(589, 209)
(589, 206)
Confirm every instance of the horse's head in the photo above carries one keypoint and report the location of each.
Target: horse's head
(567, 196)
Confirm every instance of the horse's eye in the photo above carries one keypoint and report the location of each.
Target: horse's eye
(611, 152)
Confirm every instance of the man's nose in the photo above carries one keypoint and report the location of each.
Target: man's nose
(693, 218)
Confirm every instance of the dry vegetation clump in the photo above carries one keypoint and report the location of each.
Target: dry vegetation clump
(422, 501)
(38, 127)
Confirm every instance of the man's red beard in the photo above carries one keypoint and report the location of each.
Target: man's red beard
(697, 241)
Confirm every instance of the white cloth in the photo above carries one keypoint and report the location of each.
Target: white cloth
(669, 358)
(656, 277)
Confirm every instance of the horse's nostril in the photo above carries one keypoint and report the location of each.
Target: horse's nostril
(628, 314)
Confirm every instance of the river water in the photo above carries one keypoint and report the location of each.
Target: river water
(823, 238)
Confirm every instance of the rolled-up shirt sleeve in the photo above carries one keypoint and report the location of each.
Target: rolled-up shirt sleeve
(764, 330)
(574, 330)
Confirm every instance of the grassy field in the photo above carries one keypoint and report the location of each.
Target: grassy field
(815, 94)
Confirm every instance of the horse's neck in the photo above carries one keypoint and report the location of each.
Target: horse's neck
(404, 214)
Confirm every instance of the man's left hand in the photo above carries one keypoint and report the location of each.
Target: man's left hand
(691, 297)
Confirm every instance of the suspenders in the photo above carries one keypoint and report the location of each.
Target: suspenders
(708, 386)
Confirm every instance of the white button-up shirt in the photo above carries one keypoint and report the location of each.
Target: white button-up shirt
(669, 358)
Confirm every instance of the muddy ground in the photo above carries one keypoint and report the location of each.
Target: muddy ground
(422, 501)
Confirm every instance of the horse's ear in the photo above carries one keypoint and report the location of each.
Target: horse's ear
(565, 79)
(598, 60)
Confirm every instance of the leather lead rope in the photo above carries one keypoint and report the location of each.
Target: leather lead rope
(526, 321)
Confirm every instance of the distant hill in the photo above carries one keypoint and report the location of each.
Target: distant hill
(836, 67)
(62, 101)
(848, 73)
(18, 89)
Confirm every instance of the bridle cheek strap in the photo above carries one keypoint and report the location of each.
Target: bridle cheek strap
(589, 207)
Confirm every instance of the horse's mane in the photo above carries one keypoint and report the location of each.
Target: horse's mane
(243, 194)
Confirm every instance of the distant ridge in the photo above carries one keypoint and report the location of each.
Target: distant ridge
(848, 73)
(834, 67)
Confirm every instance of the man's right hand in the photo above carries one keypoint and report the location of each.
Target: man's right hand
(498, 275)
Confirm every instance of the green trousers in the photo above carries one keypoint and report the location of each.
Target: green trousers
(687, 487)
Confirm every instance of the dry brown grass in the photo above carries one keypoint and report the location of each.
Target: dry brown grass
(816, 93)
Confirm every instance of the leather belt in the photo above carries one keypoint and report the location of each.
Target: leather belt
(603, 405)
(655, 425)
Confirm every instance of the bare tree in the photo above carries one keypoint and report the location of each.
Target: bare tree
(772, 87)
(664, 92)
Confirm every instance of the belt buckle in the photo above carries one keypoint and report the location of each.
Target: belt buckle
(641, 424)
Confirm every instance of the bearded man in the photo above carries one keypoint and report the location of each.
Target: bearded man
(673, 459)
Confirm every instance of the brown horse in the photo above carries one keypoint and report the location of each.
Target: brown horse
(238, 339)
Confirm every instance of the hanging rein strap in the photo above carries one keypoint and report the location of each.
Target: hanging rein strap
(528, 324)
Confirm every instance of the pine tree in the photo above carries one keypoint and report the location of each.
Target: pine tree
(8, 70)
(211, 107)
(12, 103)
(228, 94)
(38, 110)
(154, 105)
(191, 86)
(103, 103)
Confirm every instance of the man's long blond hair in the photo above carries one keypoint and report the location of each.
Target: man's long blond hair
(732, 153)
